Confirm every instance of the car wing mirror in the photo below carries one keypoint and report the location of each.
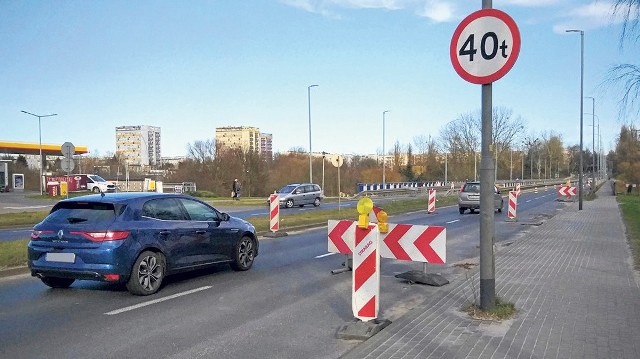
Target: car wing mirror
(224, 217)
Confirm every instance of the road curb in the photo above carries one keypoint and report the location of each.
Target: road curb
(10, 272)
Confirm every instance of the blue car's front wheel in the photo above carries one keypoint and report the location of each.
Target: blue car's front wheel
(147, 273)
(244, 255)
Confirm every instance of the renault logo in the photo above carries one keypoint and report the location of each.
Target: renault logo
(60, 234)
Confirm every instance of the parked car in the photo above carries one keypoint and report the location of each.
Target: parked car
(84, 182)
(469, 198)
(299, 194)
(137, 239)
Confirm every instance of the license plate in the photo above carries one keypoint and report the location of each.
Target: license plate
(473, 196)
(61, 257)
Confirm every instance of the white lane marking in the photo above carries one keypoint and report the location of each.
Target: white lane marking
(528, 200)
(536, 198)
(324, 255)
(454, 221)
(159, 300)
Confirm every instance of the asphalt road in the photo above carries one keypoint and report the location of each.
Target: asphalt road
(288, 305)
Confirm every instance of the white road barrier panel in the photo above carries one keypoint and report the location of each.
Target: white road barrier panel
(513, 204)
(274, 213)
(431, 207)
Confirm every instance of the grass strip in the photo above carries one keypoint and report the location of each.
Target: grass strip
(630, 207)
(13, 253)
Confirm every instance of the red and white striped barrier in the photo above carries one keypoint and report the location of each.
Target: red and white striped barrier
(402, 241)
(341, 236)
(513, 204)
(431, 207)
(274, 213)
(366, 274)
(518, 189)
(567, 191)
(425, 244)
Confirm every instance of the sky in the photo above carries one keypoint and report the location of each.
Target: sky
(191, 66)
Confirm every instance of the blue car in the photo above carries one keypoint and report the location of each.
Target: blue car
(137, 239)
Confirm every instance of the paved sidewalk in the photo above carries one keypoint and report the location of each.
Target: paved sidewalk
(573, 285)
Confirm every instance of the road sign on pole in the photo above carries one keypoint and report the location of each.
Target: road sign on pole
(67, 164)
(485, 46)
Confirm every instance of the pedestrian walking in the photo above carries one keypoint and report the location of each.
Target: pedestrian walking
(235, 190)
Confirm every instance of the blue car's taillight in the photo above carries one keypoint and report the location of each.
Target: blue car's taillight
(104, 235)
(36, 234)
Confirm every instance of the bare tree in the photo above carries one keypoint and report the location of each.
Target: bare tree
(628, 75)
(201, 151)
(630, 11)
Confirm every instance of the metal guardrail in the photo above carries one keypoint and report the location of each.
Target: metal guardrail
(447, 190)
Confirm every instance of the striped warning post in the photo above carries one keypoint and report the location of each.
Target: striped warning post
(431, 208)
(366, 274)
(518, 189)
(274, 213)
(513, 204)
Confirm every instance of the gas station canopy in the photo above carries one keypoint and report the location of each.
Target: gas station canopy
(22, 148)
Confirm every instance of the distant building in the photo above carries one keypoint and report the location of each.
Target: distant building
(139, 145)
(245, 138)
(266, 144)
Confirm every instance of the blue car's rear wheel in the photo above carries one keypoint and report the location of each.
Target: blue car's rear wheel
(147, 273)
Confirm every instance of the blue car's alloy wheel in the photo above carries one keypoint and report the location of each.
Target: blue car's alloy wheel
(147, 274)
(244, 255)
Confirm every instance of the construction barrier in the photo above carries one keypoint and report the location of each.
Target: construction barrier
(431, 207)
(274, 213)
(513, 204)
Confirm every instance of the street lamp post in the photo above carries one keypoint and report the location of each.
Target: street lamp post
(309, 102)
(384, 165)
(581, 111)
(40, 141)
(593, 139)
(511, 165)
(324, 154)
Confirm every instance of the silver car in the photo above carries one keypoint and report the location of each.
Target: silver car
(299, 194)
(469, 198)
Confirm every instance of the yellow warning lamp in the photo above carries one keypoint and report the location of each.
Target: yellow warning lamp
(383, 226)
(365, 205)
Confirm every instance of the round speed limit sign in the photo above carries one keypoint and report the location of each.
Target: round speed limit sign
(485, 46)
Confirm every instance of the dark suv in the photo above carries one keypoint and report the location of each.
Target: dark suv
(469, 198)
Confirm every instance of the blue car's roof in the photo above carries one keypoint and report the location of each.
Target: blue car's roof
(120, 197)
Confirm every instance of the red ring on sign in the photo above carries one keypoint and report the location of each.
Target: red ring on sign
(453, 51)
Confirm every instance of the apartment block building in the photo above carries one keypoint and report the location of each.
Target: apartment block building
(139, 145)
(246, 138)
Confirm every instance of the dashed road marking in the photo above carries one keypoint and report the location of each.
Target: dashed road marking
(155, 301)
(324, 255)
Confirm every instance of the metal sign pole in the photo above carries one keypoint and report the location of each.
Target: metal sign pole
(487, 183)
